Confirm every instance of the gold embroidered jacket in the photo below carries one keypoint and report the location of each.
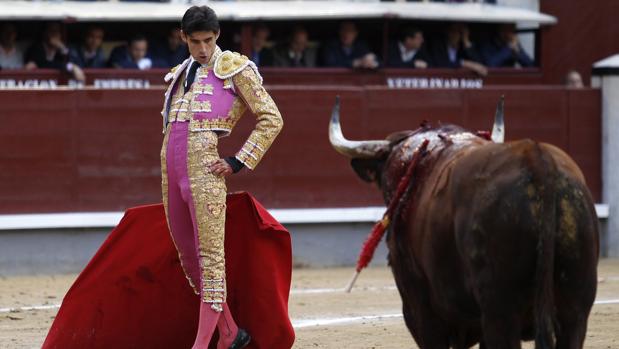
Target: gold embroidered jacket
(223, 91)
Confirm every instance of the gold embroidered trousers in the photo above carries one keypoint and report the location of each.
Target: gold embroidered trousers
(195, 204)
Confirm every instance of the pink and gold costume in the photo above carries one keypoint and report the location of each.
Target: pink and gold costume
(194, 198)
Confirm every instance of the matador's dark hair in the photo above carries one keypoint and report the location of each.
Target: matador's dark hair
(199, 18)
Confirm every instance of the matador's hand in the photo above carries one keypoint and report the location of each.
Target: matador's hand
(220, 168)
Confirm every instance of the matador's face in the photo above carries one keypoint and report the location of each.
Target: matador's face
(201, 44)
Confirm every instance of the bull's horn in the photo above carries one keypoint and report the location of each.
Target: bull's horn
(352, 149)
(498, 130)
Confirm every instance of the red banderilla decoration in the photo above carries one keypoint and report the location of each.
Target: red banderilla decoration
(370, 244)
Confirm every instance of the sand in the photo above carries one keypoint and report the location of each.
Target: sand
(324, 315)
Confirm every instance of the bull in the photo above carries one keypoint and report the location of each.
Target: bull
(494, 243)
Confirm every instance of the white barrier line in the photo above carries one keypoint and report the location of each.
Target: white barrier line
(295, 323)
(610, 278)
(607, 301)
(368, 214)
(110, 219)
(34, 307)
(352, 319)
(339, 290)
(341, 320)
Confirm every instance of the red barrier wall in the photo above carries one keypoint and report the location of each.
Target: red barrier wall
(587, 31)
(98, 150)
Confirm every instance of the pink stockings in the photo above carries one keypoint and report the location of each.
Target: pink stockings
(195, 208)
(209, 319)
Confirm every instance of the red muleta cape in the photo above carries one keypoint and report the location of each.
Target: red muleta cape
(134, 294)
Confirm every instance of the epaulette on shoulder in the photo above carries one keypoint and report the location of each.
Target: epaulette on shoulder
(170, 75)
(229, 63)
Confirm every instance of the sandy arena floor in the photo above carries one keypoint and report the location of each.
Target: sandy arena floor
(324, 316)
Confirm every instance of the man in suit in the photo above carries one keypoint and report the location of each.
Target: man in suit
(89, 54)
(456, 50)
(169, 52)
(408, 51)
(348, 50)
(133, 55)
(261, 55)
(52, 53)
(505, 50)
(296, 52)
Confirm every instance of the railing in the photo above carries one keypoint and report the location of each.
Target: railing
(394, 78)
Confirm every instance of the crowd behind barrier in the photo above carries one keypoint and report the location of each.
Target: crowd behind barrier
(453, 48)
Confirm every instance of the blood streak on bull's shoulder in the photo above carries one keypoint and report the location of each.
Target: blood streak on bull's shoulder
(438, 139)
(445, 145)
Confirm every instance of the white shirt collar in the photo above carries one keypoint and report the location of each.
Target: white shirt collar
(211, 61)
(452, 53)
(405, 54)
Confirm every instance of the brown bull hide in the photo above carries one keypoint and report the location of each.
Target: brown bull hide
(497, 243)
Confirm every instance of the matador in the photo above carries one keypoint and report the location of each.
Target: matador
(207, 94)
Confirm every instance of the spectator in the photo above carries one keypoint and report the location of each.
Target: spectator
(171, 52)
(296, 52)
(505, 50)
(349, 51)
(261, 54)
(89, 54)
(457, 50)
(133, 55)
(573, 79)
(408, 51)
(485, 1)
(11, 57)
(52, 53)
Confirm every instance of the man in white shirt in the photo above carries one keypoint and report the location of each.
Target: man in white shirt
(408, 51)
(296, 52)
(11, 57)
(132, 56)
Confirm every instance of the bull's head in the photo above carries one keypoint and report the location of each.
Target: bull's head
(368, 157)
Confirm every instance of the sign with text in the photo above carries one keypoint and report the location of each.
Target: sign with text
(47, 84)
(434, 82)
(52, 84)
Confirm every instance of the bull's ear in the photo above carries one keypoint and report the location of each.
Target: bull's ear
(367, 169)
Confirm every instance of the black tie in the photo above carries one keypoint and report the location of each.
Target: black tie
(192, 75)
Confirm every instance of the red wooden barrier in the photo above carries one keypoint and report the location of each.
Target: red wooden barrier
(98, 150)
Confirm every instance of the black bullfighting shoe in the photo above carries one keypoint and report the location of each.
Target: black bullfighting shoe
(242, 339)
